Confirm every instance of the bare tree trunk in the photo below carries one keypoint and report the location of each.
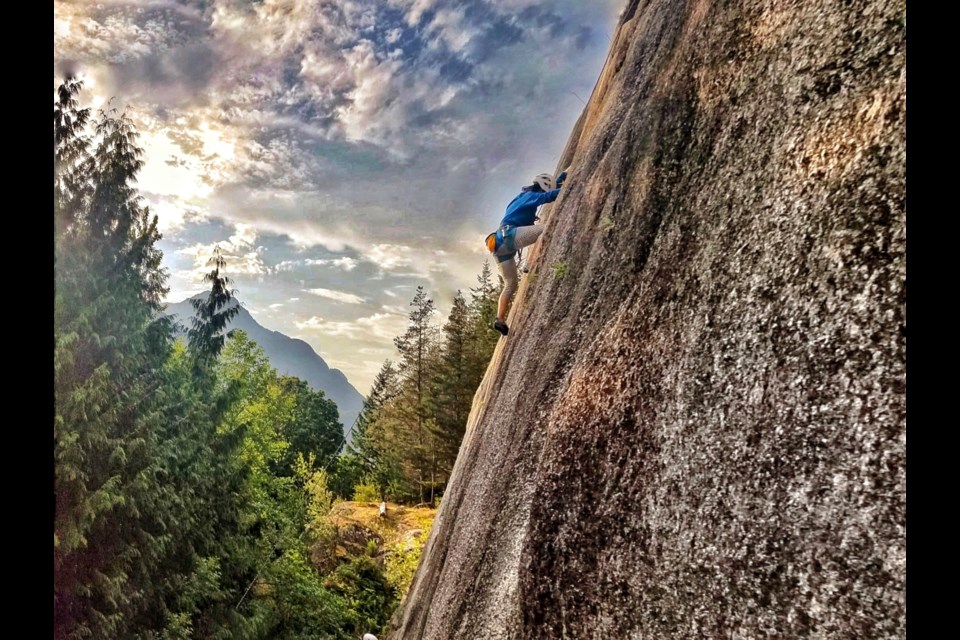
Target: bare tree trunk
(433, 475)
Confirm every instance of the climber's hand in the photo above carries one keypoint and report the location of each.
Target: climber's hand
(561, 178)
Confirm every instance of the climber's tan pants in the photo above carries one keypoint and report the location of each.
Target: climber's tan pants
(524, 237)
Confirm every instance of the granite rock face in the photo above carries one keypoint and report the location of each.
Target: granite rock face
(696, 428)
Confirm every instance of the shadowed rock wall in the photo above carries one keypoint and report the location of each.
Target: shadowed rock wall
(696, 427)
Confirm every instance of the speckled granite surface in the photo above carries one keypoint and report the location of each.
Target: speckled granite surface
(696, 428)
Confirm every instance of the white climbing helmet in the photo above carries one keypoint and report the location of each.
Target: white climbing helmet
(546, 181)
(369, 636)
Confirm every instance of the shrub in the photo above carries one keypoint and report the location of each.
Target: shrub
(366, 492)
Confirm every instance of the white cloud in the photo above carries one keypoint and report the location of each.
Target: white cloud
(391, 256)
(377, 106)
(176, 294)
(241, 255)
(346, 263)
(173, 214)
(244, 236)
(116, 39)
(448, 27)
(305, 234)
(319, 123)
(339, 296)
(407, 260)
(376, 351)
(416, 10)
(395, 309)
(377, 327)
(270, 30)
(285, 265)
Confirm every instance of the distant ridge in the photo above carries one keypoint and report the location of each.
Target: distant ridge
(291, 356)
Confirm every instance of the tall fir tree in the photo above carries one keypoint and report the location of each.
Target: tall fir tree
(216, 477)
(482, 312)
(144, 496)
(364, 444)
(212, 314)
(71, 157)
(411, 433)
(452, 386)
(110, 524)
(374, 437)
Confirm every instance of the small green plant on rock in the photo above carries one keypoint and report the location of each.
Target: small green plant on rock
(560, 270)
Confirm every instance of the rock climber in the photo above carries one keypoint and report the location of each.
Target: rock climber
(517, 230)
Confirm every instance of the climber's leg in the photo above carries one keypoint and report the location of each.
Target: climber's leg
(508, 270)
(526, 236)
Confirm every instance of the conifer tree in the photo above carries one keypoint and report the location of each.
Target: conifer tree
(452, 386)
(71, 156)
(111, 525)
(410, 431)
(212, 315)
(363, 444)
(374, 443)
(146, 521)
(482, 312)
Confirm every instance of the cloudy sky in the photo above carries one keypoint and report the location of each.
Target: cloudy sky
(339, 152)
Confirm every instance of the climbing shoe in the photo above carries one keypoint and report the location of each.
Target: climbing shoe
(501, 327)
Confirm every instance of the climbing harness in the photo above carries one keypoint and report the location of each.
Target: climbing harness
(502, 242)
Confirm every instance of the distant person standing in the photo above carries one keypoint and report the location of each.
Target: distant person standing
(517, 230)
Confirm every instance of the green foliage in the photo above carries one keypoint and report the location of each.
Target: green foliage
(113, 514)
(345, 472)
(323, 534)
(560, 270)
(376, 447)
(72, 161)
(296, 606)
(314, 481)
(402, 561)
(366, 492)
(411, 437)
(408, 435)
(482, 312)
(451, 388)
(191, 481)
(367, 592)
(314, 427)
(606, 223)
(211, 316)
(193, 484)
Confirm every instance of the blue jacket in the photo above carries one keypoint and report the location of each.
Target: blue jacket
(522, 210)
